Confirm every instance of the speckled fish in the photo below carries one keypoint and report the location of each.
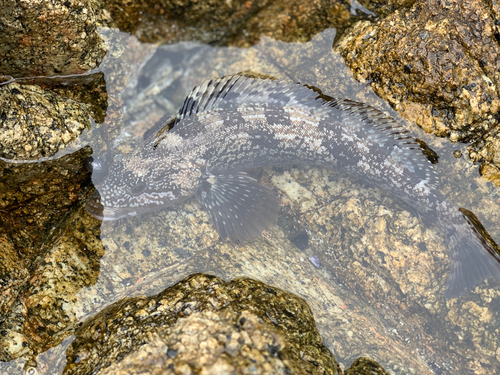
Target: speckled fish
(235, 123)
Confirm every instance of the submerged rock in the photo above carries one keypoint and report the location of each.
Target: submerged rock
(13, 274)
(365, 366)
(203, 325)
(48, 257)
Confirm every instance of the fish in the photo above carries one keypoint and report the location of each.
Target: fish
(231, 124)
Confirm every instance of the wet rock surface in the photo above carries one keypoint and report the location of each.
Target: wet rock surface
(237, 23)
(12, 273)
(35, 197)
(385, 7)
(47, 37)
(50, 244)
(41, 307)
(34, 200)
(37, 123)
(203, 325)
(365, 366)
(438, 65)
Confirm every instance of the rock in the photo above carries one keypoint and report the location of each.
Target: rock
(203, 325)
(47, 37)
(37, 123)
(50, 243)
(238, 23)
(365, 366)
(490, 172)
(44, 312)
(35, 197)
(438, 64)
(486, 149)
(385, 7)
(13, 274)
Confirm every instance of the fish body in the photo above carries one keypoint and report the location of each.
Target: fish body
(236, 123)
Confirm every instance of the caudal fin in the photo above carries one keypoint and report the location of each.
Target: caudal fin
(473, 258)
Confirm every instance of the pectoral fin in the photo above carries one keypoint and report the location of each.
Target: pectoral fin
(239, 206)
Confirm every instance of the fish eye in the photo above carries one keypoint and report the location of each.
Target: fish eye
(138, 188)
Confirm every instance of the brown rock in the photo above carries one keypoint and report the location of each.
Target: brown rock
(365, 366)
(240, 22)
(13, 274)
(34, 197)
(384, 7)
(438, 64)
(48, 37)
(44, 312)
(203, 325)
(37, 123)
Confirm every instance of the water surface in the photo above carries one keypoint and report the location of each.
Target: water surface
(372, 272)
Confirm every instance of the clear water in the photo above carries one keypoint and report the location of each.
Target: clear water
(372, 273)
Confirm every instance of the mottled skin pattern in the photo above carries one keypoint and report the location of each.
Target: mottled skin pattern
(237, 123)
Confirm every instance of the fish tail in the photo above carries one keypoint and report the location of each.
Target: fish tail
(473, 258)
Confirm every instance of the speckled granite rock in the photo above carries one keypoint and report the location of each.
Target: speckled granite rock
(35, 197)
(37, 123)
(203, 325)
(48, 37)
(13, 274)
(43, 313)
(438, 64)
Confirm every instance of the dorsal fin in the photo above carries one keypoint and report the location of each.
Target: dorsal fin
(238, 90)
(229, 92)
(410, 150)
(373, 117)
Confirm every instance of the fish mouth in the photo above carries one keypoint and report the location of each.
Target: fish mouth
(104, 213)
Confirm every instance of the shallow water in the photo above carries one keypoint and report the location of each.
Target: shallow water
(372, 273)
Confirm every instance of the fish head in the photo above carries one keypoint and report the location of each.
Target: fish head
(138, 185)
